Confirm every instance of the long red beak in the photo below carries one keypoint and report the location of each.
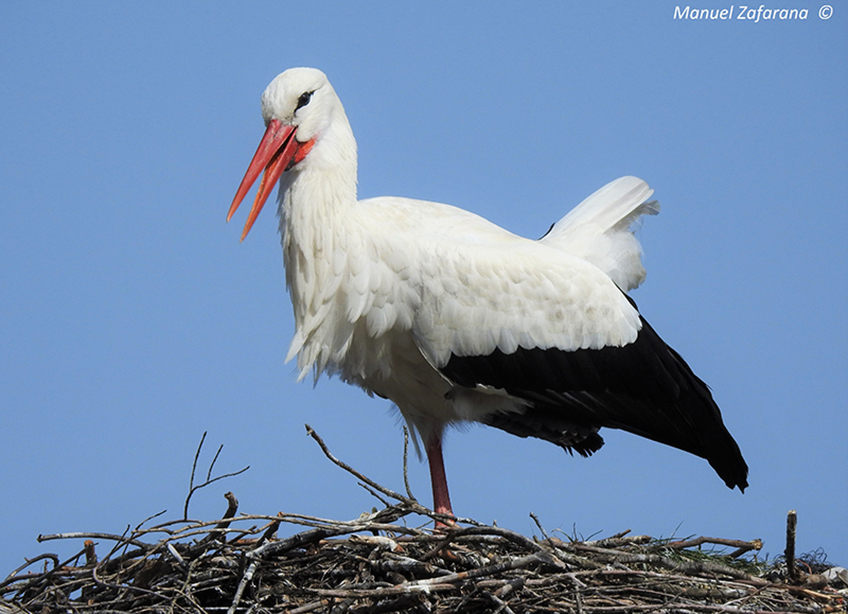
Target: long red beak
(277, 152)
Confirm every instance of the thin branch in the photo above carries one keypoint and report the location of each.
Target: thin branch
(214, 460)
(539, 524)
(406, 464)
(209, 479)
(389, 493)
(122, 539)
(741, 546)
(148, 519)
(35, 559)
(196, 457)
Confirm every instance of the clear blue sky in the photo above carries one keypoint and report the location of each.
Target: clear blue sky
(132, 320)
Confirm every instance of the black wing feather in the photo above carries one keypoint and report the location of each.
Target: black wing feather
(644, 388)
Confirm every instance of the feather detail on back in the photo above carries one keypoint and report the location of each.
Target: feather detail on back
(599, 230)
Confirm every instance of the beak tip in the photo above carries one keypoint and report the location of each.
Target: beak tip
(233, 207)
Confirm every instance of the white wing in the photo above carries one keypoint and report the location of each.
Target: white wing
(598, 230)
(464, 286)
(479, 287)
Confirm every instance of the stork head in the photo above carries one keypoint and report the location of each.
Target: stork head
(300, 108)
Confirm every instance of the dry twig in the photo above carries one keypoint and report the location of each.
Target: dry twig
(192, 488)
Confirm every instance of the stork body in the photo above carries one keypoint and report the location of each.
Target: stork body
(456, 319)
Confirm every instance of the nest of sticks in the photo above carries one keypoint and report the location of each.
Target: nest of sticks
(381, 562)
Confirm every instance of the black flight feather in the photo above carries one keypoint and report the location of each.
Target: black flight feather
(644, 388)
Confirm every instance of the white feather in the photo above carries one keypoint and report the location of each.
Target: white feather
(599, 230)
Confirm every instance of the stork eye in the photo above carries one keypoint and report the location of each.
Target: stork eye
(304, 99)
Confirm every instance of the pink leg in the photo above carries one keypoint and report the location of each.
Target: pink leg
(441, 498)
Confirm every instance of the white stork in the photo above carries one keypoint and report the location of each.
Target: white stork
(455, 319)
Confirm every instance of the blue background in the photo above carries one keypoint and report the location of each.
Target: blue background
(132, 319)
